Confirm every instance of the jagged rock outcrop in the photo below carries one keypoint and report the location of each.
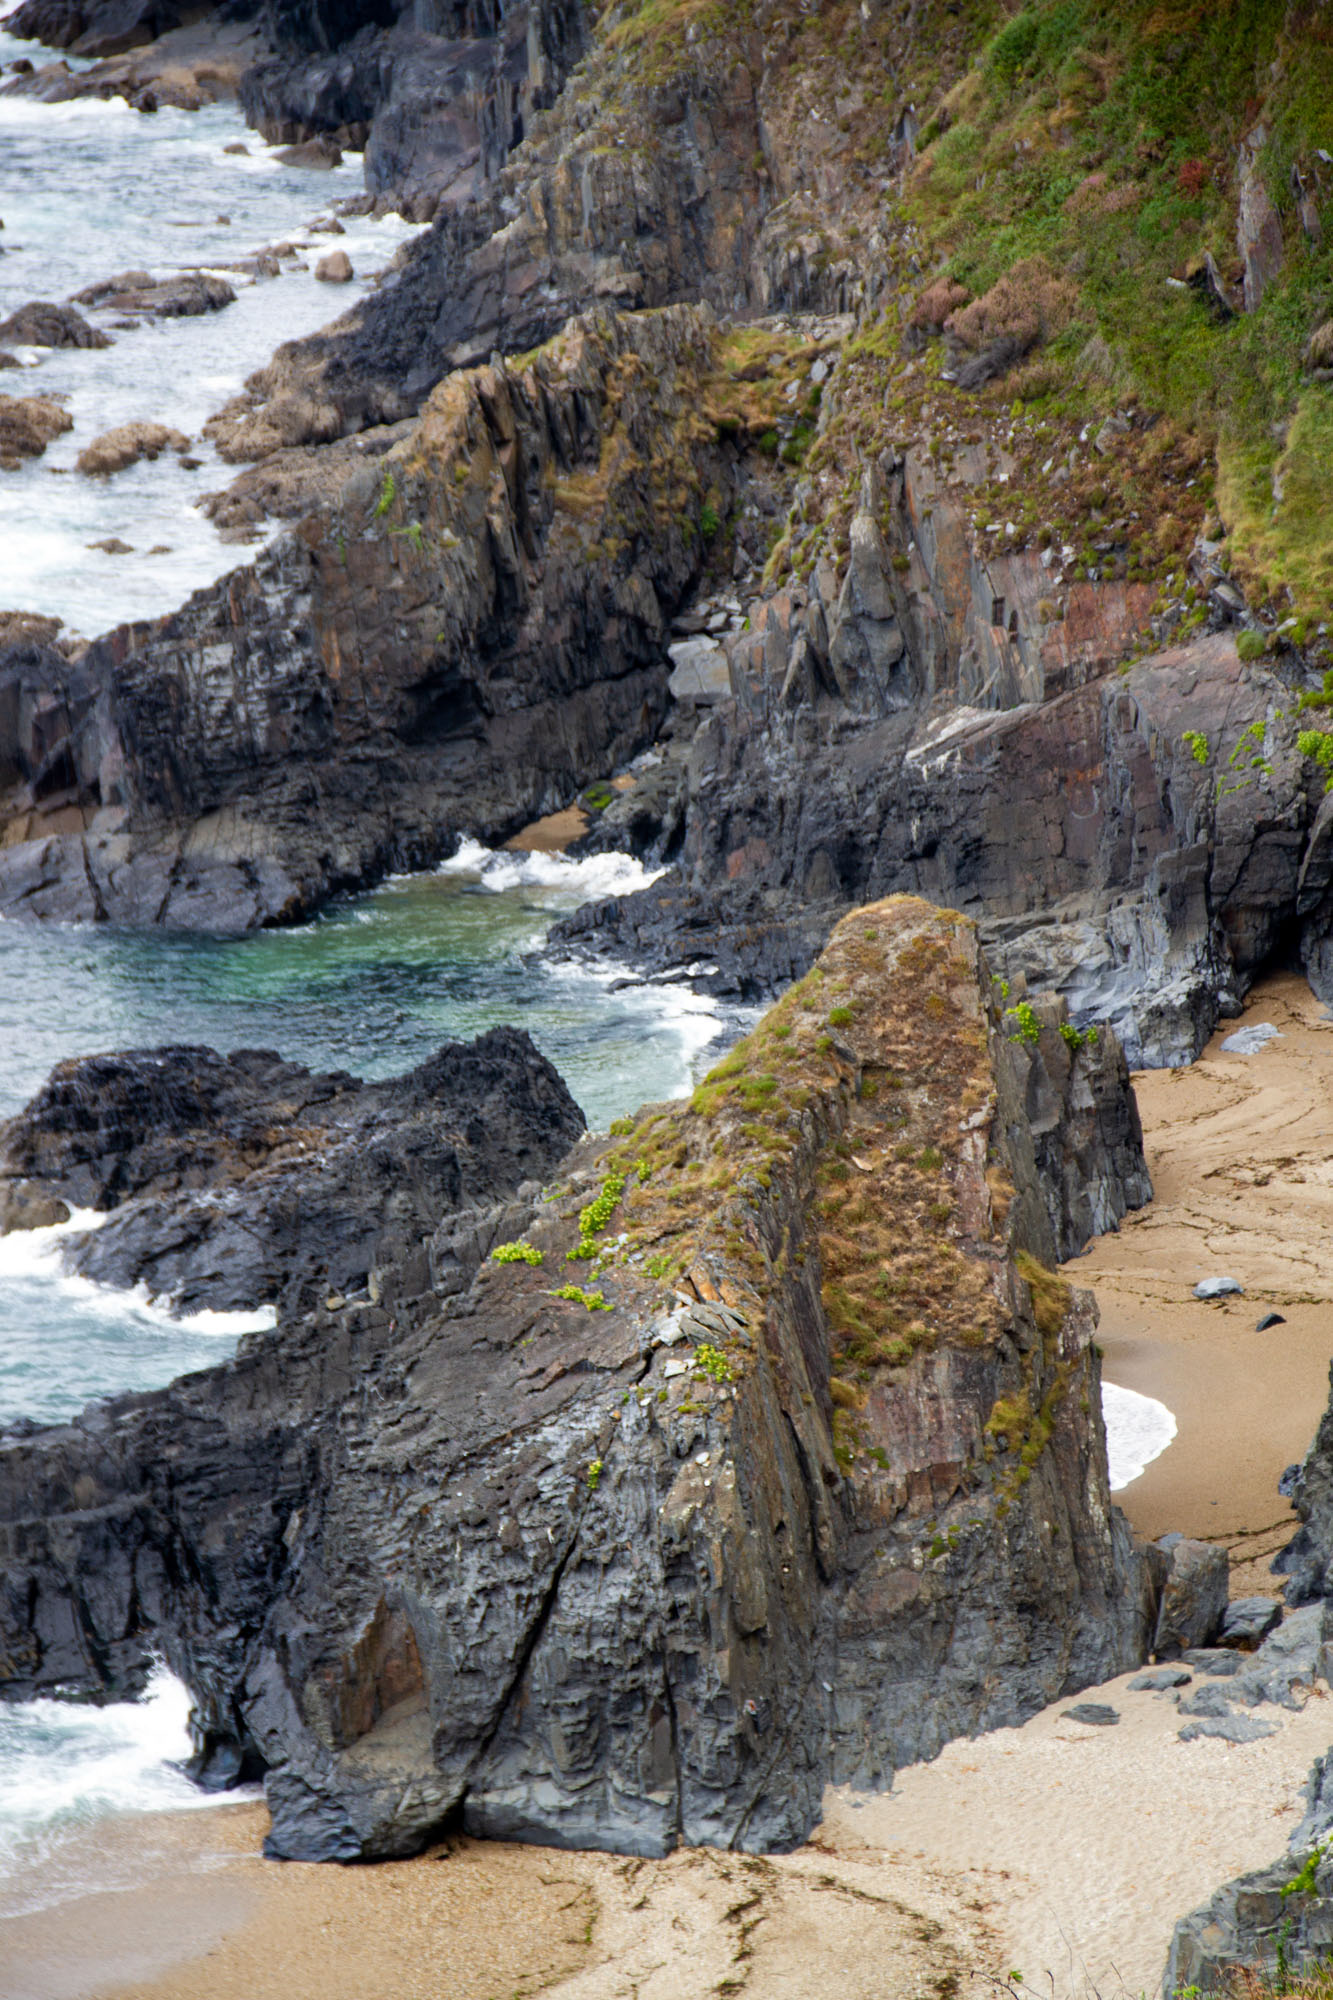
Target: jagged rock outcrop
(474, 632)
(437, 100)
(232, 1181)
(793, 1471)
(1141, 843)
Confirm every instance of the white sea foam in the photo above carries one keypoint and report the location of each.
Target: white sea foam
(37, 1254)
(587, 879)
(1138, 1430)
(63, 1765)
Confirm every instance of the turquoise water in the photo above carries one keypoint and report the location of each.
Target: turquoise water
(373, 987)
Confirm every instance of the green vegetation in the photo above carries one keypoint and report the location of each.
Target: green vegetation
(594, 1475)
(515, 1253)
(1075, 1039)
(576, 1295)
(713, 1363)
(1318, 744)
(1250, 645)
(594, 1218)
(1087, 162)
(1197, 744)
(1026, 1028)
(388, 494)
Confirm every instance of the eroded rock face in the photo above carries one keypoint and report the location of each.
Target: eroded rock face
(805, 1477)
(440, 640)
(1102, 858)
(236, 1180)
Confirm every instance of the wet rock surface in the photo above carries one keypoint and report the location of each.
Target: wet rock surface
(231, 1181)
(580, 1550)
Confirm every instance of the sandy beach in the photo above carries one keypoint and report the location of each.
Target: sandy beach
(1058, 1850)
(1239, 1150)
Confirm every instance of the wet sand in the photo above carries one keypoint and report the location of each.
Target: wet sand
(1058, 1850)
(1241, 1154)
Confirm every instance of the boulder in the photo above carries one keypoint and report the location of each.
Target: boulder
(1248, 1621)
(318, 155)
(127, 444)
(572, 1526)
(335, 269)
(184, 296)
(27, 426)
(1194, 1596)
(42, 324)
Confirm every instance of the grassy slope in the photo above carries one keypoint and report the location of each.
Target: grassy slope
(1099, 146)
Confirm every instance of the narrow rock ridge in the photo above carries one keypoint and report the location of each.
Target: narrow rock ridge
(803, 1475)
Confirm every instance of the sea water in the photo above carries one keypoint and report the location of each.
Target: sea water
(91, 188)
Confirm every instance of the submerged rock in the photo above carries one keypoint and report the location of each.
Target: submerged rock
(230, 1181)
(41, 324)
(766, 1451)
(27, 426)
(126, 445)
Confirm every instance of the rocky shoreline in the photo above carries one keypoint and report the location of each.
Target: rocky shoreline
(697, 470)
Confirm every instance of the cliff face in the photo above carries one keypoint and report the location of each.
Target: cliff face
(471, 632)
(768, 1451)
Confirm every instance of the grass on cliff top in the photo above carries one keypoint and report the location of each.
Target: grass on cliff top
(1102, 143)
(867, 1066)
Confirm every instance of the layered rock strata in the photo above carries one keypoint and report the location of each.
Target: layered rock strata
(765, 1450)
(471, 634)
(234, 1181)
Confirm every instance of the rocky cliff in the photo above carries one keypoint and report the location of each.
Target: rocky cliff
(470, 634)
(233, 1181)
(764, 1448)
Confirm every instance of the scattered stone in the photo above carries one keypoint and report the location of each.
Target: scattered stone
(113, 546)
(335, 269)
(1219, 1288)
(237, 146)
(41, 324)
(1262, 1326)
(27, 426)
(126, 445)
(1248, 1622)
(1209, 1700)
(319, 155)
(1194, 1596)
(1216, 1660)
(1098, 1714)
(1249, 1040)
(1229, 1728)
(1158, 1679)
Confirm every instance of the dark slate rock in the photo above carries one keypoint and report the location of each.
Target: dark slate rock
(1210, 1700)
(1269, 1319)
(1218, 1661)
(1248, 1621)
(1099, 1714)
(1194, 1598)
(1159, 1679)
(1229, 1729)
(236, 1180)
